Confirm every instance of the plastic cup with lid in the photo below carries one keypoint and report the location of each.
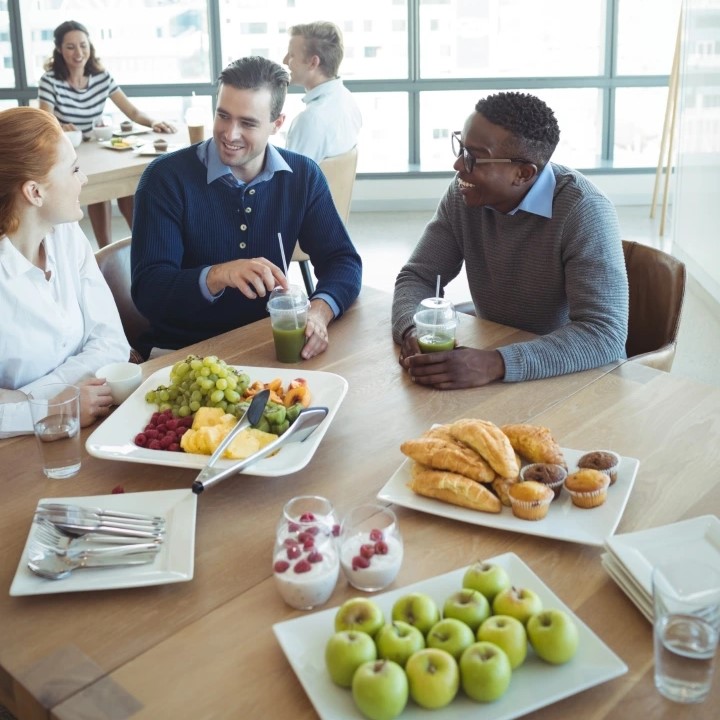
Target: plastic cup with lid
(288, 316)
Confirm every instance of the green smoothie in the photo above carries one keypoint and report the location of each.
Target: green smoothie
(289, 341)
(435, 343)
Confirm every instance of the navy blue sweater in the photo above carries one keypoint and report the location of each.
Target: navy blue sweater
(182, 225)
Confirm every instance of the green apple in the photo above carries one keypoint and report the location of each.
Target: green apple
(487, 578)
(553, 636)
(345, 651)
(418, 610)
(359, 614)
(469, 606)
(397, 641)
(507, 633)
(380, 689)
(519, 603)
(451, 635)
(433, 676)
(485, 671)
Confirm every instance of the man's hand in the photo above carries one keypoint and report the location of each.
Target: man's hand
(319, 317)
(452, 369)
(253, 278)
(95, 400)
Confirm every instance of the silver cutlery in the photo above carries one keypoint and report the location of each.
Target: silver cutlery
(49, 536)
(50, 565)
(110, 514)
(88, 525)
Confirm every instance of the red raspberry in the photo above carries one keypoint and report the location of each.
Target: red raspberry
(381, 547)
(293, 527)
(281, 566)
(309, 544)
(360, 563)
(181, 431)
(294, 552)
(154, 445)
(315, 556)
(155, 417)
(376, 534)
(289, 542)
(171, 424)
(335, 530)
(118, 490)
(302, 567)
(161, 428)
(165, 442)
(141, 440)
(152, 434)
(307, 517)
(174, 447)
(367, 551)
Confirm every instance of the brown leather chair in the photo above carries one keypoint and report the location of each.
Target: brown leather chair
(339, 171)
(656, 282)
(657, 290)
(114, 264)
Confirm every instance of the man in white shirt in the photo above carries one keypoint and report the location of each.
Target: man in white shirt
(331, 122)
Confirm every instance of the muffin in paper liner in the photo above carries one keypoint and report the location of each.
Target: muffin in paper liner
(530, 500)
(606, 461)
(548, 474)
(588, 487)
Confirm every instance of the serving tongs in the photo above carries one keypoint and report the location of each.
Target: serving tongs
(305, 423)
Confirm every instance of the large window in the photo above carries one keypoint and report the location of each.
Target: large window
(416, 67)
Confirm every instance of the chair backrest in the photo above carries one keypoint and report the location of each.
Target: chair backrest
(114, 263)
(657, 288)
(339, 172)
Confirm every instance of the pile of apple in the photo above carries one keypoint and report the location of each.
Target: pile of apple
(480, 640)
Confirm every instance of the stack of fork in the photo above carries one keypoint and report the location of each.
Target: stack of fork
(67, 537)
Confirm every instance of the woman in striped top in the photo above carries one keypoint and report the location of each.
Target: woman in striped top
(74, 89)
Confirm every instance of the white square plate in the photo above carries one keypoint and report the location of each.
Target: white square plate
(175, 562)
(150, 149)
(136, 130)
(638, 552)
(564, 521)
(534, 684)
(626, 583)
(113, 439)
(108, 144)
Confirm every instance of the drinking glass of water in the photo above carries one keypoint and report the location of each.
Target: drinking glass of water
(55, 412)
(686, 602)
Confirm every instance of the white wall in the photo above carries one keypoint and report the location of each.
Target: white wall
(696, 210)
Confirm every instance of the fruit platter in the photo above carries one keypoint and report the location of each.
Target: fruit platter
(117, 437)
(557, 655)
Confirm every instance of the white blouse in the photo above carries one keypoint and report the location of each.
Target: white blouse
(59, 329)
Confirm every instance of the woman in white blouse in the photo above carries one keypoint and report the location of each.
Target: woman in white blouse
(58, 319)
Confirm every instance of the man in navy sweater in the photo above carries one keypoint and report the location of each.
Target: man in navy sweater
(205, 250)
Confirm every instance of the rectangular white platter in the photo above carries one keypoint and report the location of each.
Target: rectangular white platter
(534, 684)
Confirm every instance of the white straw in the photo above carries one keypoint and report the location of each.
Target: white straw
(437, 297)
(282, 254)
(437, 288)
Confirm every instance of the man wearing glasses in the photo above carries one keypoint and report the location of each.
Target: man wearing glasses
(542, 252)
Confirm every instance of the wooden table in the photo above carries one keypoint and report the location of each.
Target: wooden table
(205, 649)
(116, 173)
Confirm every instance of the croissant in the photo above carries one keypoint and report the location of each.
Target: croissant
(453, 488)
(442, 454)
(535, 443)
(486, 439)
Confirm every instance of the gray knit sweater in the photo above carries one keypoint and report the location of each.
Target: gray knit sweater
(563, 278)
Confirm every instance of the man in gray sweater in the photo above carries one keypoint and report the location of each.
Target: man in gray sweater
(542, 252)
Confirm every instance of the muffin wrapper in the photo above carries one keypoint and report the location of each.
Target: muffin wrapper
(588, 499)
(530, 509)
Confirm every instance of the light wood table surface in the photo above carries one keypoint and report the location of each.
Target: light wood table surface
(205, 649)
(116, 173)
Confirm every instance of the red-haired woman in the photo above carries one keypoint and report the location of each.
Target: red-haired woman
(74, 88)
(58, 319)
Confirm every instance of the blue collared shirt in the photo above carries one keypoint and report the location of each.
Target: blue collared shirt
(216, 170)
(539, 199)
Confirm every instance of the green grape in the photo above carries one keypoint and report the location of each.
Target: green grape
(204, 371)
(194, 405)
(221, 384)
(164, 396)
(232, 395)
(217, 395)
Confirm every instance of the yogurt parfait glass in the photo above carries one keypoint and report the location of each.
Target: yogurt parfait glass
(371, 547)
(306, 563)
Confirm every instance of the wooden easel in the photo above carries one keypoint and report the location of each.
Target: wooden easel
(668, 134)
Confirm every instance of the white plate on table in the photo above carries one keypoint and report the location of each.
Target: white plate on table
(150, 149)
(137, 130)
(564, 521)
(638, 552)
(628, 585)
(113, 439)
(534, 684)
(108, 144)
(175, 562)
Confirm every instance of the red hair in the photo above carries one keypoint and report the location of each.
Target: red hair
(29, 140)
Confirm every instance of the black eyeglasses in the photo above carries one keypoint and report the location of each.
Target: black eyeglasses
(470, 161)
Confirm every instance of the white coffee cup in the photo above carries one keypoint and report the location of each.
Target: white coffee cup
(122, 377)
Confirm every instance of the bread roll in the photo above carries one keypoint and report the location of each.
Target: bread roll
(486, 439)
(453, 488)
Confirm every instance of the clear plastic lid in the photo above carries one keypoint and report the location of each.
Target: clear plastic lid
(294, 298)
(442, 308)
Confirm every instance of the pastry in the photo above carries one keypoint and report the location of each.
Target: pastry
(160, 145)
(587, 487)
(448, 455)
(604, 460)
(486, 439)
(453, 488)
(534, 443)
(553, 476)
(530, 500)
(501, 486)
(126, 126)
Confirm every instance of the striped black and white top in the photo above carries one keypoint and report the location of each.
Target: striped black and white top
(79, 107)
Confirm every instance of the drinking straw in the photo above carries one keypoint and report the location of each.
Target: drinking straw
(285, 268)
(437, 298)
(282, 254)
(437, 288)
